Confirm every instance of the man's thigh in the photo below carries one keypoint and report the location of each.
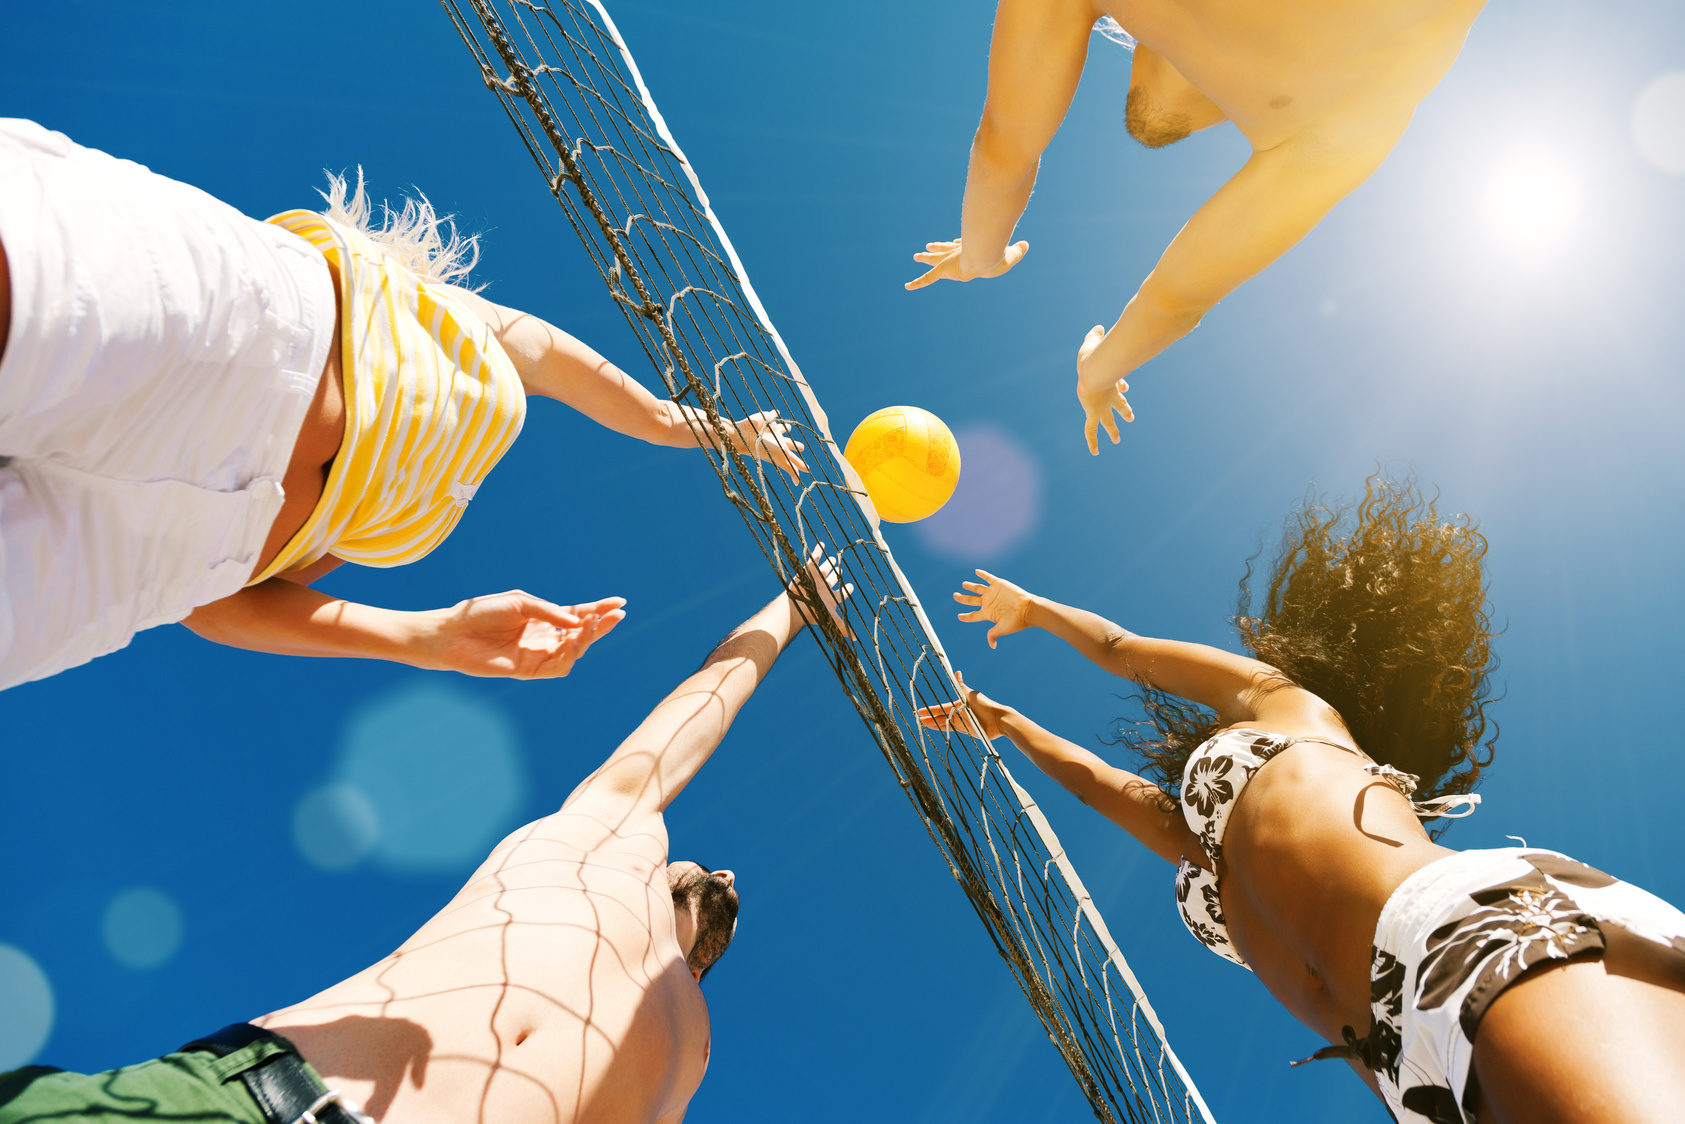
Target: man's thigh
(1576, 1042)
(176, 1087)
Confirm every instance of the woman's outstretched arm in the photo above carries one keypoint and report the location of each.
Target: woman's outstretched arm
(556, 365)
(1130, 801)
(1238, 688)
(510, 634)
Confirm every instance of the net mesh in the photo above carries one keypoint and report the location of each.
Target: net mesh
(569, 85)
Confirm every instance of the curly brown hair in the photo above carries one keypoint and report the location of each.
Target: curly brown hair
(1384, 618)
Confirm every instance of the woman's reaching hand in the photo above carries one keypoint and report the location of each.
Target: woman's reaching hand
(766, 436)
(987, 713)
(516, 635)
(1006, 605)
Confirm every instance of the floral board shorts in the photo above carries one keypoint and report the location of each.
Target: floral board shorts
(1458, 932)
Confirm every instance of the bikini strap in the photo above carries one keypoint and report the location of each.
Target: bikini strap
(1438, 807)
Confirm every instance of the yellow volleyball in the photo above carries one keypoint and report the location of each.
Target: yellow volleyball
(908, 461)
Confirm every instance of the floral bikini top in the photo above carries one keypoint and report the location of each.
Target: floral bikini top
(1216, 774)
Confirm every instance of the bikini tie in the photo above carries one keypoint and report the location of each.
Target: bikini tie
(1436, 808)
(1440, 806)
(1359, 1049)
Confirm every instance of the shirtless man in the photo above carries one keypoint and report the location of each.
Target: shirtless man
(1322, 88)
(559, 986)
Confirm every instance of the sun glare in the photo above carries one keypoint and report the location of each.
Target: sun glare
(1531, 202)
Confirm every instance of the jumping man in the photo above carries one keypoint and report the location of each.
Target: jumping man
(561, 984)
(1322, 88)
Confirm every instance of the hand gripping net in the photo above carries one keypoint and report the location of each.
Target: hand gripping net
(574, 94)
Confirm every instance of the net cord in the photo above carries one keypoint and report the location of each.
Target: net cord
(1039, 820)
(928, 799)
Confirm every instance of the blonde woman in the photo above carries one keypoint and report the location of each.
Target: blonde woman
(201, 414)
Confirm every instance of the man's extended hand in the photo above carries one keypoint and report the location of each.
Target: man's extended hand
(827, 577)
(516, 635)
(946, 264)
(1099, 394)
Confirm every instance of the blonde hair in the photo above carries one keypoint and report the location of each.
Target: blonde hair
(418, 237)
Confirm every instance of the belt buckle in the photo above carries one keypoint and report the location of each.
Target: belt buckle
(332, 1097)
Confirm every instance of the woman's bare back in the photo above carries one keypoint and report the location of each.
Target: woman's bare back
(1314, 848)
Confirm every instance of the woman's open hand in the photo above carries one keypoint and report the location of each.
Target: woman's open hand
(943, 258)
(1006, 605)
(952, 716)
(1099, 394)
(517, 635)
(766, 436)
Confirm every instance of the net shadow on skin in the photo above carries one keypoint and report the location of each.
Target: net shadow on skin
(540, 954)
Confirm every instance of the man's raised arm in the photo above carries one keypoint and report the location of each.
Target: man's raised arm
(1260, 214)
(659, 758)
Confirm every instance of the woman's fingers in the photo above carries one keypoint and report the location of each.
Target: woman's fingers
(937, 717)
(600, 607)
(968, 599)
(536, 608)
(604, 624)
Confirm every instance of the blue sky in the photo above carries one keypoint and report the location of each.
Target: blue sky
(156, 819)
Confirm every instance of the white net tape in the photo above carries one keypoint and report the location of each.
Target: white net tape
(569, 85)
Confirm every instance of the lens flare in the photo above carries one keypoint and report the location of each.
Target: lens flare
(1658, 123)
(1531, 202)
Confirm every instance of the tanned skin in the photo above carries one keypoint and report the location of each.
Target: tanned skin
(555, 988)
(1323, 90)
(1314, 848)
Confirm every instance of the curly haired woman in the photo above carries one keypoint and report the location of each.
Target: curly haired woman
(1509, 985)
(201, 414)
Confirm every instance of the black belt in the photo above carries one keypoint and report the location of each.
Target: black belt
(283, 1088)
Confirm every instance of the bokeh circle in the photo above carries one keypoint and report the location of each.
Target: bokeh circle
(26, 1008)
(441, 767)
(335, 826)
(142, 927)
(997, 503)
(1658, 122)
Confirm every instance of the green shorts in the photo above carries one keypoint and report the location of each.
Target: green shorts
(196, 1086)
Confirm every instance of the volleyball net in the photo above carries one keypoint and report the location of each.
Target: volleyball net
(569, 85)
